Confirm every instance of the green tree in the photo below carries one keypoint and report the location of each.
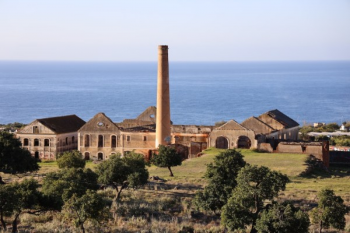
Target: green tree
(330, 211)
(59, 186)
(221, 176)
(7, 200)
(27, 199)
(255, 186)
(122, 172)
(167, 157)
(90, 206)
(14, 159)
(281, 218)
(70, 159)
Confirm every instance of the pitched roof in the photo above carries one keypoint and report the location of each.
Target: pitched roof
(100, 122)
(231, 125)
(148, 115)
(258, 126)
(63, 124)
(282, 118)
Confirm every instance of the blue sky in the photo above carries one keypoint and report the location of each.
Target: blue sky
(195, 30)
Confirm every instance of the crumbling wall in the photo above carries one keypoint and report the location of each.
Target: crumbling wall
(265, 147)
(318, 149)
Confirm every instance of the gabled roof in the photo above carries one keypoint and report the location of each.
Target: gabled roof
(100, 122)
(231, 125)
(258, 126)
(148, 115)
(282, 118)
(63, 124)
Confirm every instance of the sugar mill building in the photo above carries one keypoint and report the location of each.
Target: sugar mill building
(100, 137)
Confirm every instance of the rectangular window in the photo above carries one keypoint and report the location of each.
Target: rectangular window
(35, 129)
(144, 138)
(100, 140)
(128, 138)
(114, 141)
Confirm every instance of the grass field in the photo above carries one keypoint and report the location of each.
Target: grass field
(300, 188)
(189, 178)
(192, 171)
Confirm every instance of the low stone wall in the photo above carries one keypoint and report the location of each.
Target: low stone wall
(265, 147)
(318, 149)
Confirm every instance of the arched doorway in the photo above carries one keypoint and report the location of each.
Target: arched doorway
(222, 143)
(36, 154)
(100, 156)
(87, 156)
(244, 142)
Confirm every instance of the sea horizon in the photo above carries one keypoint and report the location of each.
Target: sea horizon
(202, 92)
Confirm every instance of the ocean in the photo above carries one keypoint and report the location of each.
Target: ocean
(201, 93)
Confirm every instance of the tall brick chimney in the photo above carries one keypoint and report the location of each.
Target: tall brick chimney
(163, 131)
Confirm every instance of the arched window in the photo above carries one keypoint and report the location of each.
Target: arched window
(87, 140)
(66, 140)
(36, 142)
(73, 138)
(26, 142)
(100, 140)
(114, 141)
(46, 142)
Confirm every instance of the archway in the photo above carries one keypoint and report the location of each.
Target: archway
(221, 143)
(36, 154)
(87, 156)
(100, 156)
(244, 142)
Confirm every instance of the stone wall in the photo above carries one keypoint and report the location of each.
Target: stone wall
(318, 149)
(232, 136)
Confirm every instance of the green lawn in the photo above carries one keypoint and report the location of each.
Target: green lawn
(290, 164)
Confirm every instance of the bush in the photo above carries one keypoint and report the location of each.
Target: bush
(71, 159)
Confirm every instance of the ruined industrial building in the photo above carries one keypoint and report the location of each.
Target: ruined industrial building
(100, 137)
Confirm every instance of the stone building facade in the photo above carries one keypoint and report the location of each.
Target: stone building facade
(100, 137)
(48, 137)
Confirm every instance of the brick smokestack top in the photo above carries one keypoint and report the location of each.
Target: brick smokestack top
(163, 134)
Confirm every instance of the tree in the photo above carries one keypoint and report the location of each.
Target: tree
(255, 186)
(167, 157)
(90, 206)
(27, 199)
(281, 218)
(122, 172)
(70, 159)
(59, 186)
(14, 159)
(221, 176)
(330, 211)
(7, 200)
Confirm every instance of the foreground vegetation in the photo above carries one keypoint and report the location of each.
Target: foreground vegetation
(165, 203)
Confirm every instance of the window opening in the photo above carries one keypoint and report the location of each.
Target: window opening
(46, 142)
(35, 129)
(114, 141)
(87, 140)
(36, 142)
(100, 140)
(25, 142)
